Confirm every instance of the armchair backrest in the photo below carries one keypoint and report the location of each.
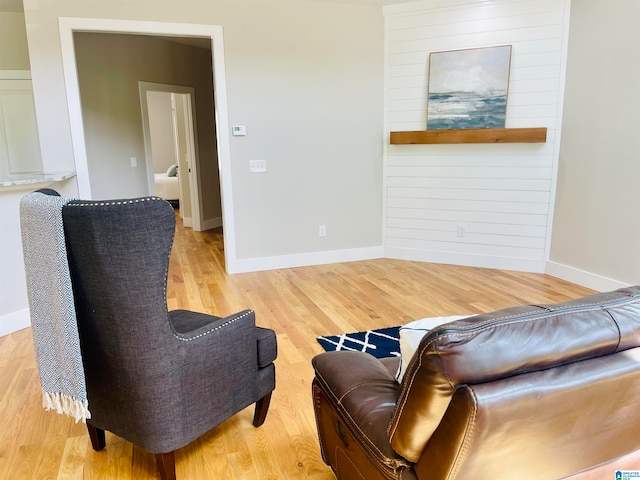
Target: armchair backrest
(118, 254)
(119, 251)
(503, 346)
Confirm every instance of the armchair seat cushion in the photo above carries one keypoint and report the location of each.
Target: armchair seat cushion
(185, 321)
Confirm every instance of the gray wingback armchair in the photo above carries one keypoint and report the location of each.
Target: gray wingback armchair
(157, 378)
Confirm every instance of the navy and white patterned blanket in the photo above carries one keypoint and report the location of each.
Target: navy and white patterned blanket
(53, 316)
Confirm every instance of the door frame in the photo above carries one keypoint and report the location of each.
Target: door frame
(192, 144)
(69, 25)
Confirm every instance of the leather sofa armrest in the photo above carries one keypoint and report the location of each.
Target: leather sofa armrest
(364, 392)
(343, 371)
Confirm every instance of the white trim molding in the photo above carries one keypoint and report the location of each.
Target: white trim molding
(584, 278)
(68, 25)
(307, 259)
(465, 259)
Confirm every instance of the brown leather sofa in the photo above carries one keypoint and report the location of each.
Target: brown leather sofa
(531, 392)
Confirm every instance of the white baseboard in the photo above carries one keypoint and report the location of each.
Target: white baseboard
(186, 222)
(369, 253)
(581, 277)
(466, 259)
(305, 259)
(12, 322)
(212, 223)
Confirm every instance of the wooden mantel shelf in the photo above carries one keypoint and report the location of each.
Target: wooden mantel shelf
(472, 135)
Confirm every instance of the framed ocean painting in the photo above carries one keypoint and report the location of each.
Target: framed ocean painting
(468, 88)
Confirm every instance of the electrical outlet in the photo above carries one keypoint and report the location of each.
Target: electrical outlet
(462, 230)
(134, 162)
(322, 230)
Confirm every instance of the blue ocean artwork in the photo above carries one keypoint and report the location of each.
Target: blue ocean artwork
(468, 88)
(466, 110)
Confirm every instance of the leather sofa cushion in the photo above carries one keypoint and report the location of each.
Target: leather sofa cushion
(504, 343)
(540, 425)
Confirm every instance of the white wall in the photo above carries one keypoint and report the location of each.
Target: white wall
(161, 131)
(596, 230)
(309, 92)
(14, 312)
(502, 194)
(13, 293)
(14, 308)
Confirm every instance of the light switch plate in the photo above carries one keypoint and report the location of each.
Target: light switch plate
(257, 166)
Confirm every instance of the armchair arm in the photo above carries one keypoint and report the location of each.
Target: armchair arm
(188, 326)
(211, 372)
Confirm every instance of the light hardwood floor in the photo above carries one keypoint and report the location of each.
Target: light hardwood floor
(299, 304)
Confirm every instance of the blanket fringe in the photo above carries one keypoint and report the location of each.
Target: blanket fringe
(64, 404)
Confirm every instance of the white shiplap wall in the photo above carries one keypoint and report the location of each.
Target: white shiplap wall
(501, 195)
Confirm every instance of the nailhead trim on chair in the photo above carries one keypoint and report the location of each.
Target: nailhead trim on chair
(229, 322)
(119, 202)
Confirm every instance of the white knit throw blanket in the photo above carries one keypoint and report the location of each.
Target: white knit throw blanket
(53, 316)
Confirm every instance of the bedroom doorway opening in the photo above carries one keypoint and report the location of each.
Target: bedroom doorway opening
(168, 122)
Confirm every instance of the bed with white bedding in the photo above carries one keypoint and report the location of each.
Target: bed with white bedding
(167, 185)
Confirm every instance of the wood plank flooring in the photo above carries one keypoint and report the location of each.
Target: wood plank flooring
(299, 304)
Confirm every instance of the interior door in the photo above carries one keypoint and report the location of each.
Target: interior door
(186, 153)
(184, 163)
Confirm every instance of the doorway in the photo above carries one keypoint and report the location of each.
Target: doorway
(169, 128)
(69, 25)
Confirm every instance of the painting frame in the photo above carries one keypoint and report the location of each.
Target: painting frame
(468, 88)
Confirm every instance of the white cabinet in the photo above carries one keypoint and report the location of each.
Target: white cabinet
(19, 144)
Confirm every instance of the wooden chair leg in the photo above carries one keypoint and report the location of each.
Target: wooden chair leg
(98, 441)
(166, 463)
(262, 406)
